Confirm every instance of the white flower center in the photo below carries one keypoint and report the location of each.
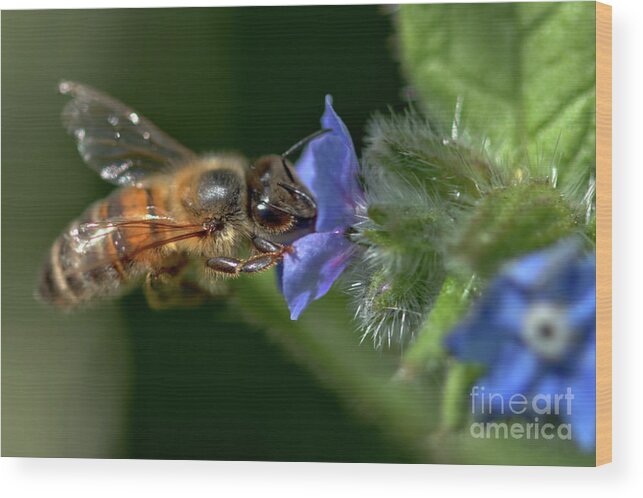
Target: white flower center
(546, 331)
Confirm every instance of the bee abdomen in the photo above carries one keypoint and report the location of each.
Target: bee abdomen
(70, 278)
(77, 270)
(91, 259)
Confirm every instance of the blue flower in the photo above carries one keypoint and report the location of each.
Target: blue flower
(329, 168)
(534, 330)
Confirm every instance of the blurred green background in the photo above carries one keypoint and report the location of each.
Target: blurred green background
(120, 380)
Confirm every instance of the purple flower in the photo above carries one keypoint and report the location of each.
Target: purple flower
(329, 168)
(534, 330)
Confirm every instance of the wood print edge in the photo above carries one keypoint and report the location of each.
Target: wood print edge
(603, 233)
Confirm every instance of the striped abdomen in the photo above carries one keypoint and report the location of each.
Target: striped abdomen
(95, 258)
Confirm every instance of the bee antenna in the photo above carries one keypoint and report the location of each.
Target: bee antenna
(299, 193)
(283, 210)
(303, 142)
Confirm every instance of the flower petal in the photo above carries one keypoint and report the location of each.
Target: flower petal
(330, 120)
(581, 313)
(323, 169)
(329, 168)
(513, 373)
(316, 262)
(493, 321)
(475, 342)
(583, 384)
(350, 172)
(547, 268)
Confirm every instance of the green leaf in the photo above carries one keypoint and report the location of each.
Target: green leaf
(525, 74)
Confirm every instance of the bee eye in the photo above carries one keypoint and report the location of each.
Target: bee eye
(271, 217)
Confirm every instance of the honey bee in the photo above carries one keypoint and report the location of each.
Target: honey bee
(173, 209)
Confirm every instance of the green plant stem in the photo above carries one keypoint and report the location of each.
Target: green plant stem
(324, 342)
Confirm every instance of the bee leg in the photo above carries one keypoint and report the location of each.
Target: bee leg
(265, 246)
(271, 254)
(261, 262)
(228, 266)
(231, 266)
(167, 288)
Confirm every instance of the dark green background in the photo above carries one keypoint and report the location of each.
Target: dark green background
(120, 380)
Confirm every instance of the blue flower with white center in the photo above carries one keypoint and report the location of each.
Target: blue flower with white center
(329, 168)
(534, 329)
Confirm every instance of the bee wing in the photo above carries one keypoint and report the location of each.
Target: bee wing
(129, 237)
(116, 141)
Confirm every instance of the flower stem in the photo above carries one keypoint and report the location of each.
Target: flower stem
(323, 341)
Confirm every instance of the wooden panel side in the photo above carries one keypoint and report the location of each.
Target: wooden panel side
(603, 234)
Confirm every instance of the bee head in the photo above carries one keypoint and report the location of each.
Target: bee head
(279, 201)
